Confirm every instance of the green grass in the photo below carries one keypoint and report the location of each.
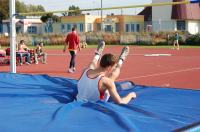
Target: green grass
(170, 46)
(60, 47)
(53, 46)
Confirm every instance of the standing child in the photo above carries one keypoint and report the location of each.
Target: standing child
(72, 40)
(97, 82)
(176, 41)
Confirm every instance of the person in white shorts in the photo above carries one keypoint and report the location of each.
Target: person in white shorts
(97, 81)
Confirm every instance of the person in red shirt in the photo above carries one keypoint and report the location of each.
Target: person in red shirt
(72, 40)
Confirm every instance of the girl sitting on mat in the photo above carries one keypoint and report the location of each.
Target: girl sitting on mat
(97, 82)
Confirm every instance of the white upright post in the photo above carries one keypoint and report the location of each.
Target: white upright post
(12, 36)
(101, 16)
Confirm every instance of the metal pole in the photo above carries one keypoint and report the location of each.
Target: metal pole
(12, 36)
(101, 16)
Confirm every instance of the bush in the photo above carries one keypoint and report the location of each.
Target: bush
(193, 39)
(109, 38)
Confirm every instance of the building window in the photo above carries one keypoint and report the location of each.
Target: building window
(74, 25)
(117, 27)
(1, 28)
(63, 28)
(181, 25)
(132, 27)
(89, 27)
(138, 27)
(81, 27)
(32, 29)
(127, 27)
(69, 27)
(98, 26)
(18, 29)
(108, 28)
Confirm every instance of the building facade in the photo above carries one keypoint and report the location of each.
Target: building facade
(27, 25)
(184, 17)
(110, 23)
(83, 23)
(120, 23)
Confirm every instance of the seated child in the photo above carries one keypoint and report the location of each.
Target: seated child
(2, 52)
(39, 51)
(22, 51)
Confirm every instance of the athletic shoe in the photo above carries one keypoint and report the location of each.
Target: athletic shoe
(70, 70)
(27, 63)
(20, 64)
(124, 53)
(100, 48)
(74, 69)
(36, 63)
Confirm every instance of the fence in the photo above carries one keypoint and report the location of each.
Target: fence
(143, 38)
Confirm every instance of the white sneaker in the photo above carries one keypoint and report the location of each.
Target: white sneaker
(70, 71)
(20, 64)
(36, 63)
(27, 63)
(124, 53)
(100, 48)
(74, 69)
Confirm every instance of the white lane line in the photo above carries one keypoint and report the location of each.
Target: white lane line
(157, 55)
(57, 54)
(116, 54)
(159, 74)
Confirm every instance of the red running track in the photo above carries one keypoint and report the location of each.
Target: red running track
(180, 70)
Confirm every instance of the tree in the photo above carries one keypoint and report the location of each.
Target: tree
(21, 7)
(4, 10)
(35, 8)
(65, 14)
(46, 17)
(76, 13)
(49, 19)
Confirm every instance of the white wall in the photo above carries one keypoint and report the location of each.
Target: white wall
(161, 17)
(161, 12)
(193, 27)
(25, 25)
(5, 28)
(162, 25)
(90, 19)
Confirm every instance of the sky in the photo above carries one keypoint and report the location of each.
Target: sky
(55, 5)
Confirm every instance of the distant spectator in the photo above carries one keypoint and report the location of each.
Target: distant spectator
(22, 51)
(176, 41)
(39, 52)
(2, 52)
(83, 45)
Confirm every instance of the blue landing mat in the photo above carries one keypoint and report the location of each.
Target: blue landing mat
(40, 103)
